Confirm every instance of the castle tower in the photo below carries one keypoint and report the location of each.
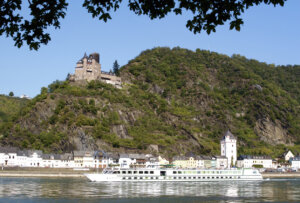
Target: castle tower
(88, 68)
(228, 148)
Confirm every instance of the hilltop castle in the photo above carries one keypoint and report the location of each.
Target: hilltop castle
(89, 68)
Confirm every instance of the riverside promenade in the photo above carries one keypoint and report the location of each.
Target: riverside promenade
(281, 175)
(43, 172)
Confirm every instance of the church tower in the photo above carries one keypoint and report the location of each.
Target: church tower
(228, 148)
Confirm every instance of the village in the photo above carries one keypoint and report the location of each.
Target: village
(85, 160)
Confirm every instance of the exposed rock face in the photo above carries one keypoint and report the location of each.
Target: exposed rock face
(272, 132)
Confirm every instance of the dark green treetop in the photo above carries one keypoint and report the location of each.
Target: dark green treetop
(207, 15)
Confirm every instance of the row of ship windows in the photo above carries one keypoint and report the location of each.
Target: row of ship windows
(178, 178)
(134, 172)
(179, 172)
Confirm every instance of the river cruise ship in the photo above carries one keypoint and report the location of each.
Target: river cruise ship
(111, 175)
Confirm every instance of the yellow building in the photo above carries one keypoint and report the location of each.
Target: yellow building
(184, 162)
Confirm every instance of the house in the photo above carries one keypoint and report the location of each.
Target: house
(152, 162)
(84, 159)
(209, 162)
(57, 160)
(34, 158)
(125, 161)
(295, 162)
(8, 156)
(221, 162)
(288, 155)
(180, 161)
(138, 160)
(199, 162)
(162, 161)
(107, 159)
(247, 161)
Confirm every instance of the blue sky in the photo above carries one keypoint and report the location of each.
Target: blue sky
(269, 35)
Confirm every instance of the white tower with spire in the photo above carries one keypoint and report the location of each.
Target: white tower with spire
(228, 148)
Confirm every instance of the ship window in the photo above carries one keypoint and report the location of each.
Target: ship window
(194, 177)
(123, 172)
(239, 177)
(179, 172)
(151, 172)
(135, 172)
(151, 177)
(208, 177)
(198, 172)
(212, 177)
(135, 177)
(184, 177)
(129, 172)
(174, 172)
(217, 177)
(179, 177)
(221, 177)
(146, 172)
(140, 172)
(230, 177)
(118, 172)
(203, 177)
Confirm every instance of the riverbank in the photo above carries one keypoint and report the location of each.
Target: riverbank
(43, 172)
(281, 175)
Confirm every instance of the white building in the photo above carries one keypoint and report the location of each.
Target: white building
(125, 161)
(58, 161)
(8, 156)
(228, 148)
(254, 161)
(295, 162)
(288, 155)
(221, 162)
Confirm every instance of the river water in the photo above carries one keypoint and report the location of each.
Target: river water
(81, 190)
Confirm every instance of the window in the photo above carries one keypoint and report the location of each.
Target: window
(174, 172)
(129, 172)
(135, 172)
(123, 172)
(140, 172)
(151, 172)
(146, 172)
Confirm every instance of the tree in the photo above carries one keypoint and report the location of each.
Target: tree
(11, 94)
(116, 68)
(208, 14)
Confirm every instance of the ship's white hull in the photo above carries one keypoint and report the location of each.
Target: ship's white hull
(156, 177)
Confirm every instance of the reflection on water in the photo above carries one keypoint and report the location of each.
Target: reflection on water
(67, 188)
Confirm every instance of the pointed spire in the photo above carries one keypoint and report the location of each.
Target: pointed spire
(228, 133)
(85, 56)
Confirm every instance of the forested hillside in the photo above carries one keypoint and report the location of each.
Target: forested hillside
(10, 106)
(173, 101)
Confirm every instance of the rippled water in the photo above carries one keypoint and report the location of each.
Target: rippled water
(81, 190)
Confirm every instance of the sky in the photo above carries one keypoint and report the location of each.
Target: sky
(269, 34)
